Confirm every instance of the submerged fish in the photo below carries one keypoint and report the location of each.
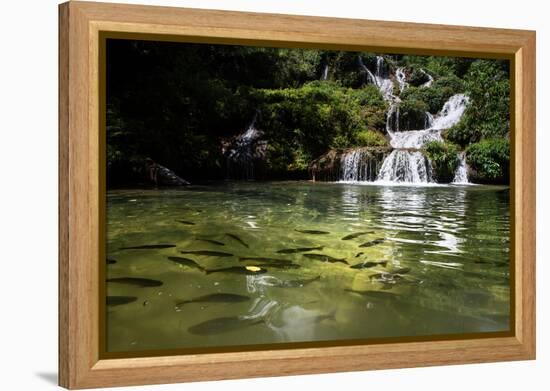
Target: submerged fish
(386, 276)
(373, 242)
(312, 232)
(223, 325)
(141, 282)
(299, 250)
(217, 243)
(185, 222)
(207, 253)
(279, 265)
(373, 294)
(403, 270)
(120, 300)
(325, 258)
(236, 238)
(264, 259)
(149, 247)
(359, 254)
(249, 270)
(186, 262)
(215, 298)
(296, 283)
(110, 261)
(369, 264)
(356, 235)
(496, 263)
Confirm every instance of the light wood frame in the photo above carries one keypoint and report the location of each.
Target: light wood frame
(80, 221)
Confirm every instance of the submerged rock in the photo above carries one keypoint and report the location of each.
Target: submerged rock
(160, 175)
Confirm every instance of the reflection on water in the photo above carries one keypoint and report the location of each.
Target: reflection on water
(446, 248)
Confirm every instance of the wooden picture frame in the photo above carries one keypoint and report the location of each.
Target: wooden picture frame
(81, 187)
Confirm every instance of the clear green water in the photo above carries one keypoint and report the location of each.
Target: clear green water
(454, 240)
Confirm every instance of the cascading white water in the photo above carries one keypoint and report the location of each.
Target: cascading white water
(401, 79)
(243, 151)
(461, 173)
(430, 79)
(406, 163)
(405, 166)
(358, 166)
(325, 73)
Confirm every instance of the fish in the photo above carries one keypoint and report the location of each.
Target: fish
(223, 325)
(298, 283)
(325, 258)
(369, 264)
(236, 238)
(249, 270)
(312, 232)
(185, 222)
(149, 247)
(186, 262)
(207, 253)
(141, 282)
(111, 261)
(496, 263)
(373, 242)
(386, 276)
(215, 298)
(279, 265)
(403, 270)
(320, 318)
(356, 235)
(120, 300)
(299, 250)
(373, 294)
(359, 254)
(264, 259)
(217, 243)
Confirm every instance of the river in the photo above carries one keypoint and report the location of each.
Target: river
(439, 263)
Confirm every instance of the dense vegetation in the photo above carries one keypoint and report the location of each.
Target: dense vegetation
(180, 103)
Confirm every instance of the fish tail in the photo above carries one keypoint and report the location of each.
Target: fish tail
(206, 271)
(332, 315)
(343, 260)
(385, 263)
(180, 303)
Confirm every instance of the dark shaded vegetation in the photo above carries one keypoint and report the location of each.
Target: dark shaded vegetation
(179, 104)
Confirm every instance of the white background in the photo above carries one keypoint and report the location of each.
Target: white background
(28, 196)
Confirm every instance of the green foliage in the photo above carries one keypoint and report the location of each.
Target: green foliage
(412, 114)
(178, 104)
(313, 118)
(370, 138)
(489, 160)
(444, 159)
(488, 113)
(436, 95)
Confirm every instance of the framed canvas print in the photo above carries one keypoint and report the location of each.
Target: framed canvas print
(250, 194)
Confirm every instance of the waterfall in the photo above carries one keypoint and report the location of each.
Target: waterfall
(406, 163)
(401, 79)
(430, 79)
(461, 173)
(245, 149)
(405, 166)
(325, 73)
(358, 165)
(372, 78)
